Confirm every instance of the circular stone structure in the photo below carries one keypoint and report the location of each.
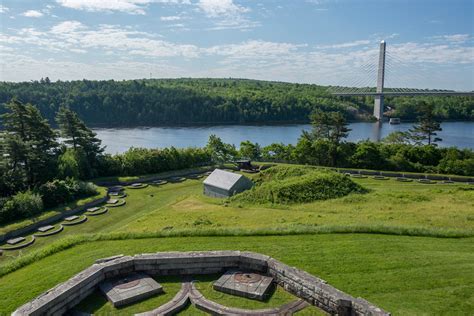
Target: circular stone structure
(247, 277)
(177, 179)
(309, 290)
(159, 182)
(129, 289)
(137, 185)
(127, 284)
(22, 244)
(115, 202)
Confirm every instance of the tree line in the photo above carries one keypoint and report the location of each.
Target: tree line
(154, 102)
(325, 145)
(41, 167)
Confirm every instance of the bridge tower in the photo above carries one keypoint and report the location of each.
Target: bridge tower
(378, 102)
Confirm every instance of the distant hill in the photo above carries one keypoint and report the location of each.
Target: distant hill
(155, 102)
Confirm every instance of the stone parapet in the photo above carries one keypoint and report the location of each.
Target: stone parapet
(311, 289)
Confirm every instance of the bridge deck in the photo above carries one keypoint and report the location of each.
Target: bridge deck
(396, 94)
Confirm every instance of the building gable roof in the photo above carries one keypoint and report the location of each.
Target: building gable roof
(222, 179)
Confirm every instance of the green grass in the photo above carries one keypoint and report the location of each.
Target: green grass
(297, 184)
(97, 304)
(405, 275)
(52, 212)
(180, 209)
(388, 246)
(146, 177)
(277, 298)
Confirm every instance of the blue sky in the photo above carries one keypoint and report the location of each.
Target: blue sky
(429, 42)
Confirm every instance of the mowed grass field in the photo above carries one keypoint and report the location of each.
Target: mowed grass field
(424, 273)
(436, 209)
(405, 275)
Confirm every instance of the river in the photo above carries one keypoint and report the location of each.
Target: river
(117, 140)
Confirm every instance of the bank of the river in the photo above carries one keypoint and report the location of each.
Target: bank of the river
(459, 134)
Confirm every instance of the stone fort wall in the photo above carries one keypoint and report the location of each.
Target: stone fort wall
(300, 283)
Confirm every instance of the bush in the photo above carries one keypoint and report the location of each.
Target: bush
(21, 205)
(285, 185)
(58, 192)
(138, 161)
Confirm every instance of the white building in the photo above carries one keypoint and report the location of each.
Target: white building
(222, 184)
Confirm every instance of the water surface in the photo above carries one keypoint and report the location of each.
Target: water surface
(117, 140)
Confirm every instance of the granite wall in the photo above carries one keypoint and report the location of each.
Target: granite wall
(306, 286)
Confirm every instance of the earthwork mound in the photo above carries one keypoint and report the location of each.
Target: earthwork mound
(289, 184)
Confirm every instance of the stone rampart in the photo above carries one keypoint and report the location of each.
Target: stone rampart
(313, 290)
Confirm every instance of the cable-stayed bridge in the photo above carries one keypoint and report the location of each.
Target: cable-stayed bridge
(392, 66)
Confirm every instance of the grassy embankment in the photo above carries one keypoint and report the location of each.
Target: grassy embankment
(405, 275)
(400, 273)
(52, 212)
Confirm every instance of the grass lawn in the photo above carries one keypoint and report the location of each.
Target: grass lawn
(438, 208)
(52, 212)
(416, 274)
(97, 304)
(404, 275)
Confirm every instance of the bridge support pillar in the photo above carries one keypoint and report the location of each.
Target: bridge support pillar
(378, 104)
(378, 107)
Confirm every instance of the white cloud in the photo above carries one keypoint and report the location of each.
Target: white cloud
(216, 8)
(73, 35)
(20, 68)
(170, 18)
(253, 49)
(32, 14)
(258, 59)
(345, 45)
(226, 14)
(433, 53)
(127, 6)
(454, 38)
(3, 9)
(67, 27)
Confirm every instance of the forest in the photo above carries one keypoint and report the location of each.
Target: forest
(158, 102)
(41, 167)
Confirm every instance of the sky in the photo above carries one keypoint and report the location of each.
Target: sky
(327, 42)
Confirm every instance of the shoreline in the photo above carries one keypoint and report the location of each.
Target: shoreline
(216, 124)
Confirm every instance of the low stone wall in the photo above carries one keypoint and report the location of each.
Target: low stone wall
(176, 173)
(308, 287)
(47, 221)
(406, 175)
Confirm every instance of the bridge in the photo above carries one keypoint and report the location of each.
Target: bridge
(380, 92)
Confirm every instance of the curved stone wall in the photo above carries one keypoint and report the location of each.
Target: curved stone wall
(313, 290)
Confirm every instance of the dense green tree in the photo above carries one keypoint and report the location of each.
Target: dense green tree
(69, 164)
(330, 127)
(368, 156)
(397, 137)
(82, 139)
(427, 126)
(220, 152)
(250, 150)
(278, 152)
(30, 142)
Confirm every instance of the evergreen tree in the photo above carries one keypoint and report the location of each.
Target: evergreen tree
(427, 126)
(330, 127)
(219, 151)
(30, 142)
(250, 150)
(82, 139)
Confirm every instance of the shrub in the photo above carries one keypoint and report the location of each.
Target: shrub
(285, 185)
(58, 192)
(21, 205)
